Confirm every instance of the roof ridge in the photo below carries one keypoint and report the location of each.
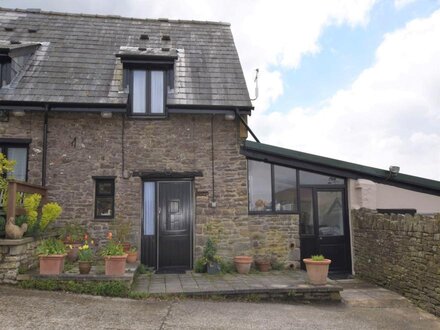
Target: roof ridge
(56, 13)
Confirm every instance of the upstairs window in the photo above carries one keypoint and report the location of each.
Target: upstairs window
(5, 71)
(148, 92)
(18, 153)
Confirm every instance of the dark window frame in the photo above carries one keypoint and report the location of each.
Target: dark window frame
(4, 146)
(102, 180)
(167, 70)
(272, 188)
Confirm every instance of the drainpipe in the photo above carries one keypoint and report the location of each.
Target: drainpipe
(45, 130)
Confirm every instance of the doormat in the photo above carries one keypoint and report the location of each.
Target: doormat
(171, 271)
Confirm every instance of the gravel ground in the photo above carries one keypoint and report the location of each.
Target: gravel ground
(29, 309)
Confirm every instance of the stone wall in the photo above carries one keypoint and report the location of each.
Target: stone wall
(400, 252)
(81, 146)
(16, 255)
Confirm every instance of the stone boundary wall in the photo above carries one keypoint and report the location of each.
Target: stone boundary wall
(399, 252)
(17, 255)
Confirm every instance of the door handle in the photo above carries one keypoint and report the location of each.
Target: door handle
(320, 238)
(159, 210)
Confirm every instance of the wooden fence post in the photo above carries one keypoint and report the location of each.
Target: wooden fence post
(12, 192)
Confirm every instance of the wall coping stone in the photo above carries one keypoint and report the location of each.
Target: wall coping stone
(14, 242)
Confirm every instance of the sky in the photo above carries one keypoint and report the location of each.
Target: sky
(353, 80)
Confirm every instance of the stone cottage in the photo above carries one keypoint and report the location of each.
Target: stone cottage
(144, 121)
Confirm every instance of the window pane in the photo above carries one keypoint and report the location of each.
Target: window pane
(306, 218)
(20, 157)
(285, 188)
(157, 91)
(139, 90)
(104, 188)
(330, 213)
(313, 178)
(104, 207)
(260, 191)
(149, 207)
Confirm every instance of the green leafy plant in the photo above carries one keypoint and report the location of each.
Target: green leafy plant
(133, 249)
(39, 222)
(51, 246)
(277, 265)
(210, 251)
(121, 230)
(318, 257)
(200, 265)
(49, 213)
(85, 253)
(97, 288)
(112, 248)
(6, 166)
(72, 232)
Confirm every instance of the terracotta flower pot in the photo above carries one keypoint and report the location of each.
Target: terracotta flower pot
(131, 257)
(115, 265)
(126, 246)
(52, 264)
(84, 267)
(317, 271)
(263, 265)
(243, 264)
(72, 253)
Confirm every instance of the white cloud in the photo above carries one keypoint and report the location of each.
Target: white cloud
(389, 115)
(399, 4)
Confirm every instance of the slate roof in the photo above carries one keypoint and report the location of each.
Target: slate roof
(76, 61)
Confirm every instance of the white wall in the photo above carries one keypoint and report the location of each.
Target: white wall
(365, 193)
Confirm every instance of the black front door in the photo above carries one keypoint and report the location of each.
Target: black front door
(174, 225)
(324, 226)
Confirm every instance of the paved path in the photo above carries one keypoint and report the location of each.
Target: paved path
(193, 283)
(28, 309)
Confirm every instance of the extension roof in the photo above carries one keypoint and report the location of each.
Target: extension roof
(309, 162)
(76, 61)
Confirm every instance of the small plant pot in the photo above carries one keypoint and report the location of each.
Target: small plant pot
(263, 265)
(131, 257)
(52, 264)
(213, 268)
(243, 264)
(72, 253)
(84, 267)
(126, 246)
(115, 265)
(317, 271)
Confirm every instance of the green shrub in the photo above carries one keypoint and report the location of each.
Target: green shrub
(318, 257)
(96, 288)
(277, 265)
(200, 265)
(51, 246)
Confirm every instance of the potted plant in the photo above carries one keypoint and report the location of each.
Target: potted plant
(243, 264)
(85, 257)
(263, 264)
(73, 234)
(212, 260)
(51, 253)
(132, 255)
(115, 258)
(122, 231)
(317, 269)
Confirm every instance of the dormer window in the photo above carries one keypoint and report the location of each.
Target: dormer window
(5, 71)
(148, 78)
(148, 92)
